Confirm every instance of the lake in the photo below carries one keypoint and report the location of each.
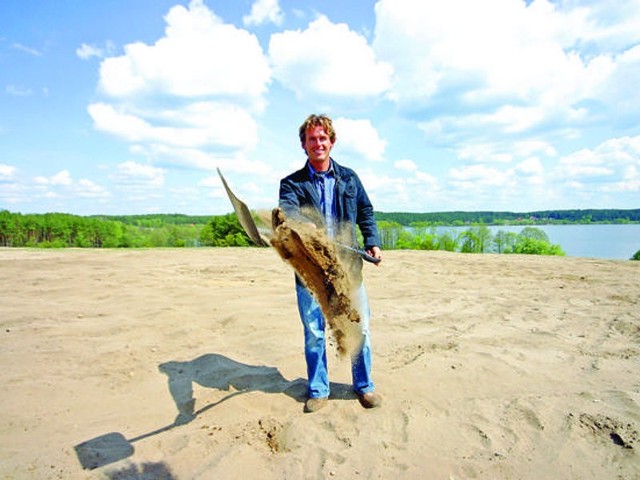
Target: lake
(618, 242)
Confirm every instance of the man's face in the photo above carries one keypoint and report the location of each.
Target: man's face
(318, 146)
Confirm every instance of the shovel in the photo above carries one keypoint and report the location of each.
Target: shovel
(249, 225)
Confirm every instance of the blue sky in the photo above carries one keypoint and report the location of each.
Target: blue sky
(128, 106)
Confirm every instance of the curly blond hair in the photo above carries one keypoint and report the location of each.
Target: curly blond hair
(314, 120)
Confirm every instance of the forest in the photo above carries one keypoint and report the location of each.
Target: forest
(60, 230)
(545, 217)
(416, 231)
(474, 239)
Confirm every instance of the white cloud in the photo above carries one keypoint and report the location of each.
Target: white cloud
(485, 152)
(62, 186)
(380, 185)
(86, 188)
(190, 97)
(473, 177)
(504, 152)
(427, 178)
(398, 193)
(360, 137)
(609, 24)
(614, 164)
(619, 92)
(192, 158)
(328, 59)
(18, 91)
(138, 175)
(264, 11)
(525, 148)
(24, 48)
(531, 171)
(63, 177)
(86, 51)
(197, 125)
(514, 66)
(586, 176)
(147, 172)
(406, 165)
(7, 172)
(530, 166)
(12, 192)
(210, 181)
(198, 56)
(515, 119)
(482, 48)
(106, 118)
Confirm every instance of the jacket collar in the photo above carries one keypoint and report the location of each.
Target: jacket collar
(313, 172)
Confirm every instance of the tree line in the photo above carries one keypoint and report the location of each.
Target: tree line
(543, 217)
(60, 230)
(476, 239)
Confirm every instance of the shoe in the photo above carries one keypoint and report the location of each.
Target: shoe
(315, 404)
(370, 400)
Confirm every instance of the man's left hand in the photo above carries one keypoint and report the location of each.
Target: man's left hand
(375, 252)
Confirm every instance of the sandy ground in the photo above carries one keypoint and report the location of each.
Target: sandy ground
(491, 367)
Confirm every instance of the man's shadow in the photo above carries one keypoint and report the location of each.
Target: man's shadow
(210, 371)
(222, 373)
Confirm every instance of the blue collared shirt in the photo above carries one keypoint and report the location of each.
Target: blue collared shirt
(325, 184)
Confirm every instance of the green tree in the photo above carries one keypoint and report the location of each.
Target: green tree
(405, 240)
(534, 241)
(469, 242)
(503, 242)
(425, 241)
(8, 228)
(224, 231)
(534, 233)
(389, 234)
(475, 240)
(484, 238)
(447, 242)
(531, 246)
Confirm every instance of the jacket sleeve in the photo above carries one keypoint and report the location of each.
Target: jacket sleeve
(365, 218)
(289, 200)
(292, 200)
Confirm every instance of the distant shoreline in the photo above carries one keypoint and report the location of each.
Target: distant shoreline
(541, 217)
(450, 218)
(55, 230)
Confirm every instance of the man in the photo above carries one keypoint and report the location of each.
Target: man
(337, 196)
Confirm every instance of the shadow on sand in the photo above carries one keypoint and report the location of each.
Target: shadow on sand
(210, 371)
(145, 471)
(222, 373)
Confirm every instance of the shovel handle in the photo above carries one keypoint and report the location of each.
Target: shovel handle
(365, 256)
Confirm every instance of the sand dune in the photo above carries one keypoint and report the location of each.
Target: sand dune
(188, 364)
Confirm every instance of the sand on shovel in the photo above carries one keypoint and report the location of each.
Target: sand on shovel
(315, 259)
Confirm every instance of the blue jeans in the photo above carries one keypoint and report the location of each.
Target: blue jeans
(315, 347)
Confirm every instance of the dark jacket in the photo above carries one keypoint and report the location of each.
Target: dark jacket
(353, 206)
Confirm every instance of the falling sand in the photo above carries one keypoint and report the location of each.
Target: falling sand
(315, 259)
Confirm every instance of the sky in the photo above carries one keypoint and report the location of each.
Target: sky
(129, 106)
